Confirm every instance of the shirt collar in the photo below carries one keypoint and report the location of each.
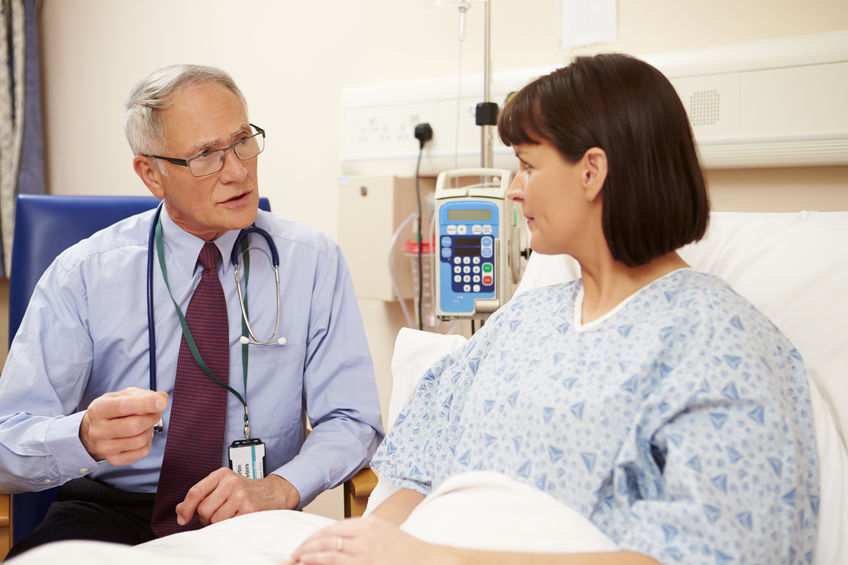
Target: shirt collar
(183, 248)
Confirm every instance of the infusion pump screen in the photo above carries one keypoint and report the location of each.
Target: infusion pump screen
(469, 215)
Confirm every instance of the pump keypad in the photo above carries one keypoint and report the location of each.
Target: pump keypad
(470, 251)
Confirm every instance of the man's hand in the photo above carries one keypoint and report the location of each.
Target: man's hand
(224, 494)
(118, 426)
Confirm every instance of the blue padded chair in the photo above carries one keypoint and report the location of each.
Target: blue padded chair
(44, 227)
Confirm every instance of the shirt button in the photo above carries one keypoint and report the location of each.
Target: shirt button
(84, 471)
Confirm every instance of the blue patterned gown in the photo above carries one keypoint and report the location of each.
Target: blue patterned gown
(679, 423)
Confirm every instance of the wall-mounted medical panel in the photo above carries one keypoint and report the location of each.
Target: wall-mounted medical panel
(778, 102)
(371, 209)
(775, 117)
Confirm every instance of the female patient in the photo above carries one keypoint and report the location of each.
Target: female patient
(649, 397)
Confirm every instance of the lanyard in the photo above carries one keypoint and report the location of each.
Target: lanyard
(192, 345)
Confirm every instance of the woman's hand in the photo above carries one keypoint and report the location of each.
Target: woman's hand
(365, 541)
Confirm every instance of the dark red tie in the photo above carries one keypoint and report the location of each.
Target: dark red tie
(195, 443)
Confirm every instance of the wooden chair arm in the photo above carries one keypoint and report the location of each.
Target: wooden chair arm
(5, 525)
(356, 492)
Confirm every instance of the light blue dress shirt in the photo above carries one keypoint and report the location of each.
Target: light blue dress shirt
(85, 334)
(679, 423)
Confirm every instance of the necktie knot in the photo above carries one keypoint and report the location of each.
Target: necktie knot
(209, 256)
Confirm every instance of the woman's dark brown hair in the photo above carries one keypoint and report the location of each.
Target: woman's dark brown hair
(654, 197)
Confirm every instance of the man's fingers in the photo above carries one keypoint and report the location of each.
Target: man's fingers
(131, 426)
(109, 447)
(226, 511)
(148, 403)
(213, 502)
(121, 428)
(109, 407)
(126, 391)
(128, 457)
(196, 495)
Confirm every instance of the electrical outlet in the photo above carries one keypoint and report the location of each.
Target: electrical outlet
(378, 123)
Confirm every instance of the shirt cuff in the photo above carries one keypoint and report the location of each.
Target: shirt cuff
(63, 442)
(304, 477)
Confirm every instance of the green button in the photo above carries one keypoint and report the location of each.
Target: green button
(487, 267)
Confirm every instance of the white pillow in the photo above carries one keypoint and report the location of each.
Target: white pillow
(546, 270)
(414, 353)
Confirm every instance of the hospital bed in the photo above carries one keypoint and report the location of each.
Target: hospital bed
(794, 267)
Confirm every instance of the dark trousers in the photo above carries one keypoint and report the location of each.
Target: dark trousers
(90, 510)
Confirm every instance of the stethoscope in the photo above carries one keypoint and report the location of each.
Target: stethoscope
(155, 246)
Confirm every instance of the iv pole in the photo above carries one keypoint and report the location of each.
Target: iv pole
(486, 115)
(487, 112)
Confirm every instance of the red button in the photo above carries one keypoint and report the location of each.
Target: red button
(487, 280)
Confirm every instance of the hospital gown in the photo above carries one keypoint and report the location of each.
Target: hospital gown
(679, 423)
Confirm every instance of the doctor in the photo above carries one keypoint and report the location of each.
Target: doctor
(138, 456)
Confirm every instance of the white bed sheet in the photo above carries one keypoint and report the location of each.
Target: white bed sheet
(262, 538)
(474, 510)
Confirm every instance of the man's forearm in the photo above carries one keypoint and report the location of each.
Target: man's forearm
(285, 496)
(55, 453)
(333, 451)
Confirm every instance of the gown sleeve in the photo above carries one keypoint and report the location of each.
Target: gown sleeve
(426, 431)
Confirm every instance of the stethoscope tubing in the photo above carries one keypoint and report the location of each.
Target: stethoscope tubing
(151, 326)
(234, 253)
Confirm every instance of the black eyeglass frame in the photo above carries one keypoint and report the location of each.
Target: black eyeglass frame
(186, 162)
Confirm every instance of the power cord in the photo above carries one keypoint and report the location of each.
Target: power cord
(423, 133)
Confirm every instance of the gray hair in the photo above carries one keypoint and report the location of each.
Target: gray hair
(144, 129)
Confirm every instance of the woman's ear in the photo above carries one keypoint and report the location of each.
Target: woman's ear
(594, 172)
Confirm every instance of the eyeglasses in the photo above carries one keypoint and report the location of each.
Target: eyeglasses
(212, 160)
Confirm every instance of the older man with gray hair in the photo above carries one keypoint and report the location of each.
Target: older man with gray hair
(75, 407)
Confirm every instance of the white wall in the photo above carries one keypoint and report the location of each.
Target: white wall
(292, 58)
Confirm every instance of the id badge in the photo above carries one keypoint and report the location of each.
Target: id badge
(247, 458)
